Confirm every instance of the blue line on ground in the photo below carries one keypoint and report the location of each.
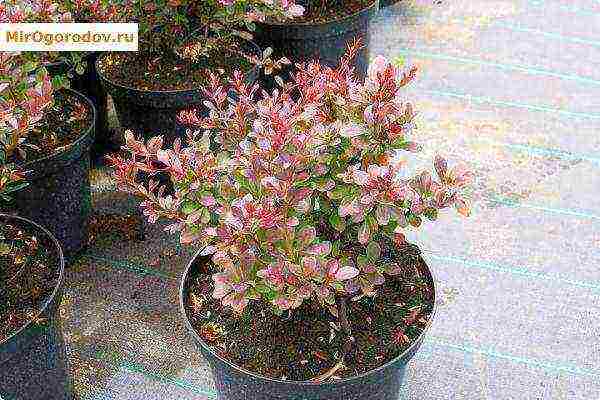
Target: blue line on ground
(513, 67)
(517, 271)
(543, 151)
(552, 35)
(488, 100)
(568, 368)
(429, 343)
(565, 211)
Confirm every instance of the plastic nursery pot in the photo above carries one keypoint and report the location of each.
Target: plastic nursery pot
(58, 196)
(235, 383)
(152, 113)
(33, 361)
(325, 42)
(387, 3)
(89, 85)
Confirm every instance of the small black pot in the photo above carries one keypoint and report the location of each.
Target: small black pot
(33, 361)
(58, 195)
(235, 383)
(89, 85)
(152, 113)
(325, 42)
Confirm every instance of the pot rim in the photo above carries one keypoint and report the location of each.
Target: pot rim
(414, 345)
(167, 92)
(59, 283)
(373, 7)
(82, 138)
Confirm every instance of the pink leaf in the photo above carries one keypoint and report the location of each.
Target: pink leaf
(364, 233)
(346, 273)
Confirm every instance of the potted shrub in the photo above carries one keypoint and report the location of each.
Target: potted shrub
(33, 361)
(69, 69)
(321, 33)
(47, 133)
(304, 287)
(178, 41)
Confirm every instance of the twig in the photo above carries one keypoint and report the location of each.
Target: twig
(330, 373)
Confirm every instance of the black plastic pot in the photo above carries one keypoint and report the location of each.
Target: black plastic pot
(152, 113)
(33, 361)
(326, 42)
(387, 3)
(58, 196)
(89, 85)
(235, 383)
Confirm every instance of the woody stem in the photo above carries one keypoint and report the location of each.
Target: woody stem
(341, 303)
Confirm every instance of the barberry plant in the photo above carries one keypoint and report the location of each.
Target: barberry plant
(294, 192)
(44, 11)
(26, 92)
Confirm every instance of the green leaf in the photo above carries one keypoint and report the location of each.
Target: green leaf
(373, 251)
(252, 294)
(337, 222)
(189, 207)
(431, 213)
(339, 192)
(262, 288)
(270, 295)
(372, 222)
(362, 260)
(335, 248)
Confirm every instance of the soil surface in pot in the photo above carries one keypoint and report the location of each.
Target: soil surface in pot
(323, 11)
(28, 276)
(63, 124)
(152, 72)
(308, 343)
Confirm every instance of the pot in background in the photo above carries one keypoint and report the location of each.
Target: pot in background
(89, 85)
(326, 42)
(58, 196)
(33, 361)
(152, 113)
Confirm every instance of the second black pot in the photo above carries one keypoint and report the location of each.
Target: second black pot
(89, 85)
(152, 113)
(33, 361)
(326, 42)
(58, 196)
(235, 383)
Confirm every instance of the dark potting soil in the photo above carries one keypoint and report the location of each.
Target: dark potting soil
(28, 275)
(308, 343)
(164, 73)
(62, 125)
(323, 11)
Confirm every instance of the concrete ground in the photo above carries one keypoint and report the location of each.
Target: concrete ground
(512, 88)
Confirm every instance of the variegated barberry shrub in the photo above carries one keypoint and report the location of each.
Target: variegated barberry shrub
(25, 94)
(293, 193)
(44, 11)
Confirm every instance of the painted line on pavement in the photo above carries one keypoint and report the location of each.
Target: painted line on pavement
(510, 104)
(427, 53)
